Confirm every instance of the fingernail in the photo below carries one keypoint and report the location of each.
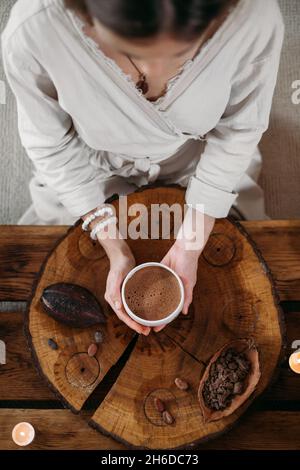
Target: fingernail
(117, 304)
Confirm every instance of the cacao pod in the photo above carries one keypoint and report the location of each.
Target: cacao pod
(72, 305)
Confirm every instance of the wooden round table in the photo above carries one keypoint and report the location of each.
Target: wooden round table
(234, 297)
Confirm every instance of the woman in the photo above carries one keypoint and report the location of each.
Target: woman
(112, 95)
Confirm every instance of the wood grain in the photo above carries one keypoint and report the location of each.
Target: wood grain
(19, 379)
(60, 429)
(69, 370)
(23, 249)
(246, 306)
(279, 241)
(55, 429)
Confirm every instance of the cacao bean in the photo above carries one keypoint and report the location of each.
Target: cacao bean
(238, 388)
(159, 405)
(167, 417)
(99, 337)
(181, 384)
(92, 349)
(53, 345)
(72, 305)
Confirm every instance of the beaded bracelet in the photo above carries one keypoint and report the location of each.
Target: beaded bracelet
(100, 225)
(102, 211)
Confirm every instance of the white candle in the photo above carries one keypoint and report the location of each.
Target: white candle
(23, 434)
(294, 362)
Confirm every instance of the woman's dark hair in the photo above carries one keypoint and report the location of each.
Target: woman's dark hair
(184, 19)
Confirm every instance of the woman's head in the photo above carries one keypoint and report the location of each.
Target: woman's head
(184, 19)
(141, 28)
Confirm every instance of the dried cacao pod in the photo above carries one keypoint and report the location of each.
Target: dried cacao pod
(247, 347)
(72, 305)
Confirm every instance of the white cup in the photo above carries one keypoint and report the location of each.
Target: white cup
(162, 321)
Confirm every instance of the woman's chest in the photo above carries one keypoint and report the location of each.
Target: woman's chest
(109, 113)
(156, 75)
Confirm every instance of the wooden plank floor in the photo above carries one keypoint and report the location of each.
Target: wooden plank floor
(271, 423)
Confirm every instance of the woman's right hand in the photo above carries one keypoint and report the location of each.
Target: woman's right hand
(121, 262)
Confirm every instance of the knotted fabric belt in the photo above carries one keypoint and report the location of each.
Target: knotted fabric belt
(141, 167)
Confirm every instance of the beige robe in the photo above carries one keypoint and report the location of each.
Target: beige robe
(90, 132)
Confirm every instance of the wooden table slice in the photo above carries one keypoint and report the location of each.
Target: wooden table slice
(233, 297)
(128, 412)
(70, 372)
(19, 380)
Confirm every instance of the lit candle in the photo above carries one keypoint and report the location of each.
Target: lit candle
(23, 434)
(294, 362)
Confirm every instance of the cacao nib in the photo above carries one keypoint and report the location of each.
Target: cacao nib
(225, 379)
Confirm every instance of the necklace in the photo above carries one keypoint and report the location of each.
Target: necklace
(142, 83)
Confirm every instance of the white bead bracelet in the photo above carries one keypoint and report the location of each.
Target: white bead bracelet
(100, 225)
(102, 211)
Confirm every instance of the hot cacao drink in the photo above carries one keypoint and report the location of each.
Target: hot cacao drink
(152, 293)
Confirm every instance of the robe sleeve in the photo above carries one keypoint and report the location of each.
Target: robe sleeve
(232, 143)
(47, 132)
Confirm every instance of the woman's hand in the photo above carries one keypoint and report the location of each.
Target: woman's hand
(121, 262)
(184, 254)
(185, 264)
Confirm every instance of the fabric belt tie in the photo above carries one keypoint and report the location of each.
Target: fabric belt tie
(139, 167)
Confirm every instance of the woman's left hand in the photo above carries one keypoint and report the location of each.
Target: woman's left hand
(185, 264)
(184, 261)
